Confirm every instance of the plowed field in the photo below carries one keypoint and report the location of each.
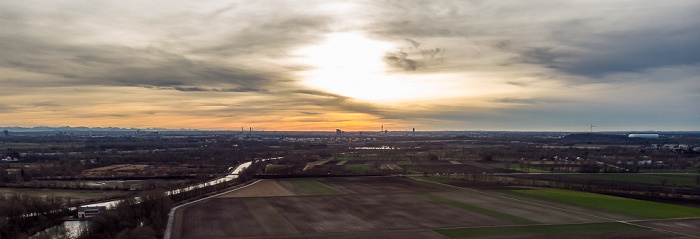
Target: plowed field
(264, 188)
(394, 207)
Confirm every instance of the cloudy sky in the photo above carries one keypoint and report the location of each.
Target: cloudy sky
(353, 65)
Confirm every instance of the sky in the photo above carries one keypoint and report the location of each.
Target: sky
(352, 65)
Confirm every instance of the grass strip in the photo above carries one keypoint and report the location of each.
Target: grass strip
(413, 171)
(536, 230)
(437, 180)
(658, 179)
(312, 187)
(341, 162)
(404, 162)
(532, 169)
(480, 210)
(611, 203)
(358, 168)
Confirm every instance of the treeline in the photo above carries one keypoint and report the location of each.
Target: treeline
(21, 215)
(142, 218)
(147, 216)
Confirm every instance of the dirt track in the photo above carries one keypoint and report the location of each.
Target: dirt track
(685, 226)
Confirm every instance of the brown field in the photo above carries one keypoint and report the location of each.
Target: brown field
(140, 170)
(452, 168)
(217, 218)
(118, 169)
(400, 234)
(66, 194)
(380, 185)
(264, 188)
(345, 213)
(388, 207)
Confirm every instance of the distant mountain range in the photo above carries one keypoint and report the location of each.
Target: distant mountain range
(82, 128)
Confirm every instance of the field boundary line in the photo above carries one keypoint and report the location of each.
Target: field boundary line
(564, 209)
(171, 214)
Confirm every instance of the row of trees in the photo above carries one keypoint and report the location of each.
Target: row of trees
(142, 218)
(21, 215)
(147, 217)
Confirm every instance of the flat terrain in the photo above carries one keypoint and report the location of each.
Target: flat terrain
(73, 195)
(659, 179)
(687, 226)
(396, 207)
(265, 188)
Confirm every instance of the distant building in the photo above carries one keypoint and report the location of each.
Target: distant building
(338, 132)
(6, 133)
(9, 159)
(644, 136)
(88, 212)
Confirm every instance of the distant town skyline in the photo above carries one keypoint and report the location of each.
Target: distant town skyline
(352, 65)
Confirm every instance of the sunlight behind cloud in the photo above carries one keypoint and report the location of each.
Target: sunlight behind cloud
(351, 65)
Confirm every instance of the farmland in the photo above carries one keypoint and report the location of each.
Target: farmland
(659, 179)
(397, 182)
(400, 207)
(72, 195)
(641, 208)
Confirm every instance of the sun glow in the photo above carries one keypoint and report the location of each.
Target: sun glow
(351, 65)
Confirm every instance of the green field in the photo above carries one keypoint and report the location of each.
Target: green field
(536, 230)
(617, 204)
(312, 187)
(274, 167)
(671, 179)
(530, 169)
(413, 171)
(358, 168)
(436, 179)
(349, 158)
(404, 162)
(670, 171)
(480, 210)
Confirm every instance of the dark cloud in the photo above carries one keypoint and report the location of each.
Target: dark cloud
(414, 43)
(540, 46)
(518, 83)
(615, 53)
(400, 59)
(514, 100)
(317, 93)
(118, 65)
(164, 63)
(270, 36)
(186, 89)
(432, 53)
